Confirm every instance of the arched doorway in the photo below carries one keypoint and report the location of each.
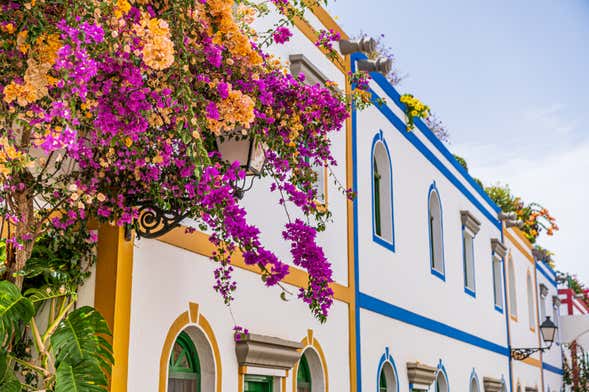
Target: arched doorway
(387, 381)
(310, 375)
(184, 366)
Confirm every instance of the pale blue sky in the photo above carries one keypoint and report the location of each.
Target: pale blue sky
(509, 80)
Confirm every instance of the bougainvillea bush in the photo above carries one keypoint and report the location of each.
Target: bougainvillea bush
(105, 105)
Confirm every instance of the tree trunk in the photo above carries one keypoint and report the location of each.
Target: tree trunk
(23, 230)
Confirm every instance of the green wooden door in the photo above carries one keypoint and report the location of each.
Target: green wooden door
(258, 384)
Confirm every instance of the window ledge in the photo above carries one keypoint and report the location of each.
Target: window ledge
(438, 274)
(470, 292)
(381, 241)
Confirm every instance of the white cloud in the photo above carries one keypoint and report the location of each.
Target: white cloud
(558, 179)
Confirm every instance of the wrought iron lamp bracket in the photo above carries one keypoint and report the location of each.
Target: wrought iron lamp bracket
(154, 222)
(519, 354)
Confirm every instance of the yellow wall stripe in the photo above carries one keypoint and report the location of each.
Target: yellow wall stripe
(198, 242)
(514, 241)
(114, 275)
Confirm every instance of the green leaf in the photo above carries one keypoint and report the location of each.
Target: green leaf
(85, 376)
(78, 338)
(14, 309)
(43, 294)
(8, 381)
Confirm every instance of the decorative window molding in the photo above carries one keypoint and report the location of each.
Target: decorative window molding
(300, 64)
(492, 384)
(435, 226)
(267, 352)
(498, 248)
(421, 376)
(383, 225)
(530, 293)
(497, 283)
(543, 290)
(388, 379)
(470, 222)
(512, 289)
(474, 384)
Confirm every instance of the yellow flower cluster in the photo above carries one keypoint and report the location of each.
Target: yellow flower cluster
(414, 108)
(158, 48)
(229, 33)
(237, 109)
(122, 7)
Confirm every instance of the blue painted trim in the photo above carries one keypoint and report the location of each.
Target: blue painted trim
(368, 302)
(498, 308)
(354, 121)
(418, 144)
(441, 369)
(472, 292)
(384, 84)
(553, 272)
(386, 357)
(435, 272)
(375, 237)
(473, 375)
(551, 368)
(546, 275)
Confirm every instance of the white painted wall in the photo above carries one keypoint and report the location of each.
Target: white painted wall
(166, 279)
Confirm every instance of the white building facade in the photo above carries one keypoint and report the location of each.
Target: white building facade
(431, 293)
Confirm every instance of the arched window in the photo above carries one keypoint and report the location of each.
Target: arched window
(474, 386)
(530, 292)
(382, 192)
(512, 288)
(310, 373)
(303, 376)
(387, 382)
(436, 246)
(184, 366)
(441, 382)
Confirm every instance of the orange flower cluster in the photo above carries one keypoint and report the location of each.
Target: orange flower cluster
(237, 109)
(229, 35)
(36, 78)
(158, 48)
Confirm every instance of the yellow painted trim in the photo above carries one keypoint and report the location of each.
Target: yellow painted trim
(185, 319)
(114, 277)
(327, 20)
(283, 384)
(523, 237)
(533, 362)
(350, 238)
(309, 341)
(518, 245)
(193, 308)
(198, 242)
(313, 36)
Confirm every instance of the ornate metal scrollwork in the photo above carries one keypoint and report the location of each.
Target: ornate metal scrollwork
(154, 222)
(519, 354)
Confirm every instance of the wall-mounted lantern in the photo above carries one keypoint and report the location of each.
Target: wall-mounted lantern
(246, 150)
(548, 331)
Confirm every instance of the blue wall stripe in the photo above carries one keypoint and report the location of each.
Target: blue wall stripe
(368, 302)
(546, 275)
(384, 84)
(551, 368)
(418, 144)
